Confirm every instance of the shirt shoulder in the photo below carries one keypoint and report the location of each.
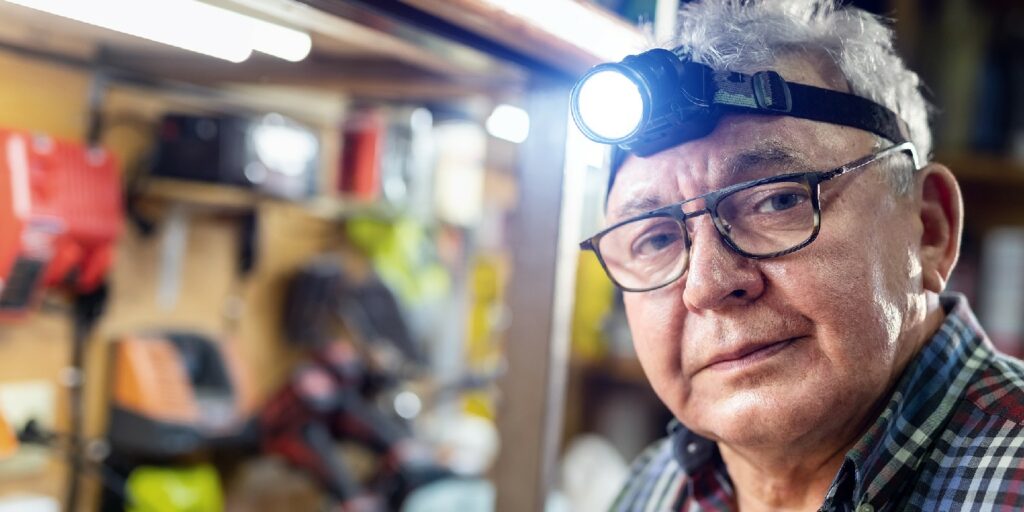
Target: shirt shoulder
(978, 459)
(999, 389)
(654, 480)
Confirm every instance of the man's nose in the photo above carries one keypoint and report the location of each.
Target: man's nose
(717, 277)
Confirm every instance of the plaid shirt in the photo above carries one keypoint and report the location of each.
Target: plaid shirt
(950, 438)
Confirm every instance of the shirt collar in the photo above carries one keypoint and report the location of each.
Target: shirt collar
(919, 408)
(690, 450)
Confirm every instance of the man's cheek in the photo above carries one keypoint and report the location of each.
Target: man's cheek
(656, 336)
(648, 316)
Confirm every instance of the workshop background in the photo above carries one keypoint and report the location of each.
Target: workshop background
(322, 254)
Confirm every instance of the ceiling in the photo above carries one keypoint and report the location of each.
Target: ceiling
(355, 51)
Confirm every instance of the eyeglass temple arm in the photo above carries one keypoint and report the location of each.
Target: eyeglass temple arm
(907, 147)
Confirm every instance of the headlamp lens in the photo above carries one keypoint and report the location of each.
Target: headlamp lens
(610, 105)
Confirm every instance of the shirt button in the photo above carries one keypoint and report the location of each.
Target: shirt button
(692, 448)
(865, 507)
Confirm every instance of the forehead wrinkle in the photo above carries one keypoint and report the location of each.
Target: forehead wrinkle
(765, 154)
(652, 189)
(769, 153)
(638, 205)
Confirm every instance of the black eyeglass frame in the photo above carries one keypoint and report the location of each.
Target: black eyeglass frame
(713, 198)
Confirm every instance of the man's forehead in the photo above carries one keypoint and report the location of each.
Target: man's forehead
(763, 153)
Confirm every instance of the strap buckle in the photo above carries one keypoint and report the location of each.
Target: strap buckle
(771, 92)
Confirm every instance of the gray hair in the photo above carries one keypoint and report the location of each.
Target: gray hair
(740, 34)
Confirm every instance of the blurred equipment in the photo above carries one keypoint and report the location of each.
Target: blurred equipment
(387, 154)
(322, 404)
(8, 441)
(189, 488)
(460, 173)
(28, 503)
(509, 122)
(60, 216)
(345, 394)
(272, 154)
(1002, 288)
(177, 393)
(322, 297)
(592, 472)
(362, 145)
(464, 495)
(176, 399)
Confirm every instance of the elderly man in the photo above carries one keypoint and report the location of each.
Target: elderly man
(783, 253)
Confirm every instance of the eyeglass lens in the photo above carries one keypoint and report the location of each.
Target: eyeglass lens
(763, 220)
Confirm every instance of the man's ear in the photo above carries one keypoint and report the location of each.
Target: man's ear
(942, 220)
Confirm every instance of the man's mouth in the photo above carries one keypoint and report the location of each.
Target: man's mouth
(748, 355)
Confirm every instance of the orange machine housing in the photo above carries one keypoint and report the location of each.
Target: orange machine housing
(176, 393)
(8, 441)
(60, 216)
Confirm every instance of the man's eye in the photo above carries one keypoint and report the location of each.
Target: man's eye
(656, 240)
(780, 201)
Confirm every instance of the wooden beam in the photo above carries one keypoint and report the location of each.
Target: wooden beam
(365, 37)
(357, 76)
(540, 299)
(524, 35)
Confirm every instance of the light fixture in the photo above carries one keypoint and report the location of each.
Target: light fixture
(186, 24)
(509, 123)
(281, 42)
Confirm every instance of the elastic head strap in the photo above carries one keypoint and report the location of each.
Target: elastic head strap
(766, 93)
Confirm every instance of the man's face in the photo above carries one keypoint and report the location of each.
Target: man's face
(758, 352)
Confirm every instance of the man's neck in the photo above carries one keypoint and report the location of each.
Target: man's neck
(791, 479)
(797, 478)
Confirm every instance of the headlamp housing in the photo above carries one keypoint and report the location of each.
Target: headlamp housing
(682, 100)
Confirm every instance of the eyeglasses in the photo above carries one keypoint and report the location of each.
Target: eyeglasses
(760, 219)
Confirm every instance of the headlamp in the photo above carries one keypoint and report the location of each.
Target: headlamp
(661, 98)
(611, 122)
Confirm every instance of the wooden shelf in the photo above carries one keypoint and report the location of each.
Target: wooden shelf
(621, 369)
(227, 198)
(207, 195)
(338, 208)
(992, 187)
(988, 170)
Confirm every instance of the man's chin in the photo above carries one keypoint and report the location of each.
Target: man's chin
(754, 419)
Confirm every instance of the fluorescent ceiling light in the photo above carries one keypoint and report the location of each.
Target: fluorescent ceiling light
(584, 27)
(186, 24)
(281, 42)
(509, 123)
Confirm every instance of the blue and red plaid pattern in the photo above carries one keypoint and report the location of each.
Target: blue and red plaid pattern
(950, 438)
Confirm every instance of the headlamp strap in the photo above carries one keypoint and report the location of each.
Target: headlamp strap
(766, 92)
(846, 109)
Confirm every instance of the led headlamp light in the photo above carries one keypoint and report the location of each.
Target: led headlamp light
(661, 98)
